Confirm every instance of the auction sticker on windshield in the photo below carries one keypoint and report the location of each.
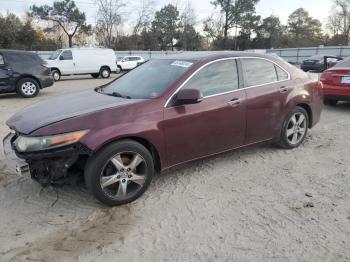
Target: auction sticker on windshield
(181, 63)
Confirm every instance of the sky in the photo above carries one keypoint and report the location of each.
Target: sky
(319, 9)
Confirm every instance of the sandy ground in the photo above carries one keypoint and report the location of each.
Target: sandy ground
(257, 204)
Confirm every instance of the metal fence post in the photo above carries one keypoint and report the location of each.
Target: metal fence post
(298, 55)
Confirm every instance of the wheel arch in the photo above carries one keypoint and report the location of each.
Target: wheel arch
(146, 143)
(28, 76)
(309, 112)
(105, 66)
(56, 68)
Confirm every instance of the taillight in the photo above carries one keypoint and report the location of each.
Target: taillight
(319, 85)
(45, 65)
(326, 77)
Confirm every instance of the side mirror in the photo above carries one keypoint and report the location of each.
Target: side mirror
(61, 57)
(188, 96)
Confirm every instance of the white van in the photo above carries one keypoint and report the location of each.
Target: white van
(77, 61)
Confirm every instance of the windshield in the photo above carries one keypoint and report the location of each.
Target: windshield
(54, 55)
(148, 80)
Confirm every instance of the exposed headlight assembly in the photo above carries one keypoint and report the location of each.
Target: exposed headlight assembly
(32, 144)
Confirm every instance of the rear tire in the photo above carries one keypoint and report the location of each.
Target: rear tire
(105, 72)
(119, 173)
(331, 102)
(96, 75)
(56, 74)
(294, 129)
(119, 69)
(28, 87)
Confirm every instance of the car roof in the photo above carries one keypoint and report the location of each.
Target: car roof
(16, 51)
(213, 55)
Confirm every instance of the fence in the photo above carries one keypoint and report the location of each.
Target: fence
(119, 54)
(293, 55)
(297, 55)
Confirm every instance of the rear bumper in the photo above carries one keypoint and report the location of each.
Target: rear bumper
(46, 81)
(336, 92)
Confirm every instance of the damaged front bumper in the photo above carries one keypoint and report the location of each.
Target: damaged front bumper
(55, 166)
(15, 163)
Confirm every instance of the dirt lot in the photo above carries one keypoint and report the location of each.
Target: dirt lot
(256, 204)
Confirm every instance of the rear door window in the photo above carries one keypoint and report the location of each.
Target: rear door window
(216, 78)
(281, 74)
(23, 58)
(67, 55)
(259, 72)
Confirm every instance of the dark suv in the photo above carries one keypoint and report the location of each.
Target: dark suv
(23, 72)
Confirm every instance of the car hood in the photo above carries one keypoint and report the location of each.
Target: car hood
(63, 107)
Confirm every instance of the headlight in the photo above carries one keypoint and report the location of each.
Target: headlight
(31, 144)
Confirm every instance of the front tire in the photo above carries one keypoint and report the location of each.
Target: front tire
(119, 173)
(28, 87)
(294, 129)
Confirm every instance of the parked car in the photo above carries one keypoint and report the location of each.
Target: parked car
(316, 62)
(78, 61)
(162, 114)
(23, 72)
(336, 83)
(130, 62)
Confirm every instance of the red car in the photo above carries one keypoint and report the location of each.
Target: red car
(336, 83)
(164, 113)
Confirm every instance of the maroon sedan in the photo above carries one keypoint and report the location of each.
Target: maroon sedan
(164, 113)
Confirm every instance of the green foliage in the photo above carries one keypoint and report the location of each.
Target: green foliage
(17, 35)
(165, 26)
(65, 14)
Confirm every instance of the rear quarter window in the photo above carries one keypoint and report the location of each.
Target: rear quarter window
(2, 60)
(23, 58)
(258, 71)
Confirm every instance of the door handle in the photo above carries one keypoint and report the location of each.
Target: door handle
(234, 102)
(283, 89)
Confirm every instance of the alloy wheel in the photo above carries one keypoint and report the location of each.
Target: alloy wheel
(123, 175)
(296, 128)
(28, 88)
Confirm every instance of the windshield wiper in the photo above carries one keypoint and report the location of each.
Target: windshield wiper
(116, 94)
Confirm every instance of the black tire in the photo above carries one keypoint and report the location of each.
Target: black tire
(105, 72)
(28, 87)
(284, 138)
(119, 69)
(96, 75)
(331, 102)
(97, 167)
(56, 75)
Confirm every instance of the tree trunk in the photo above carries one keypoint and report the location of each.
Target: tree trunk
(70, 39)
(225, 37)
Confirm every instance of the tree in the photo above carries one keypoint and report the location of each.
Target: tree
(269, 33)
(234, 12)
(144, 15)
(109, 18)
(305, 30)
(213, 30)
(339, 21)
(189, 38)
(65, 14)
(165, 26)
